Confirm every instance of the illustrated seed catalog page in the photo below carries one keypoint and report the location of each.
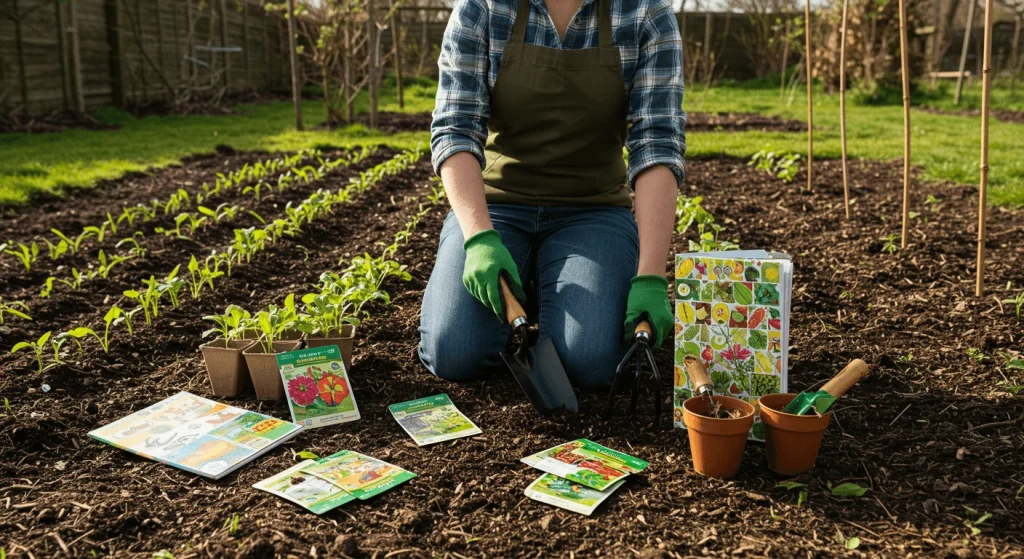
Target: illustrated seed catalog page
(732, 312)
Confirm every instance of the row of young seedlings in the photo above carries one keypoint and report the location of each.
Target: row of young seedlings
(203, 273)
(190, 222)
(63, 244)
(329, 316)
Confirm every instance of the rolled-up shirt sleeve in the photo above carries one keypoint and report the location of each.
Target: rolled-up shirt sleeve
(656, 116)
(463, 102)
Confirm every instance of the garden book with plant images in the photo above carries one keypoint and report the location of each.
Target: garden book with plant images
(306, 490)
(361, 475)
(569, 495)
(587, 463)
(732, 312)
(197, 435)
(432, 420)
(316, 386)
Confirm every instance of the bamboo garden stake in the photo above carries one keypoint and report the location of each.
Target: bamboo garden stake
(842, 106)
(810, 98)
(293, 57)
(785, 62)
(986, 85)
(905, 70)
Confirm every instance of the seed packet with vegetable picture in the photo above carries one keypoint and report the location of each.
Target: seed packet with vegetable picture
(317, 386)
(360, 475)
(569, 495)
(432, 420)
(306, 490)
(587, 463)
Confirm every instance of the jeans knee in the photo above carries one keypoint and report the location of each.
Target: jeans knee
(591, 368)
(450, 358)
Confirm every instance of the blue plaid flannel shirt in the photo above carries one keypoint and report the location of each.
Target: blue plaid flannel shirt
(646, 33)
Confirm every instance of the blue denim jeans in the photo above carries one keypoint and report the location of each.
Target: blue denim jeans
(579, 262)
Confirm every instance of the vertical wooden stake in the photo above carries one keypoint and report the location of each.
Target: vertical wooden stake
(65, 56)
(963, 53)
(986, 85)
(373, 46)
(76, 57)
(842, 106)
(20, 51)
(785, 62)
(397, 46)
(293, 56)
(115, 44)
(245, 47)
(224, 43)
(905, 70)
(810, 96)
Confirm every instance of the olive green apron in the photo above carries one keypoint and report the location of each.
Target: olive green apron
(558, 122)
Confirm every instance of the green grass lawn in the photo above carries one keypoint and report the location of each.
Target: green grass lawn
(946, 147)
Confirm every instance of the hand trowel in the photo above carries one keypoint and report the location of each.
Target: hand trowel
(538, 369)
(820, 401)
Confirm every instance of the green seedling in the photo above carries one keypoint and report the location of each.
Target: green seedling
(77, 278)
(172, 285)
(56, 250)
(99, 232)
(257, 217)
(976, 355)
(147, 300)
(107, 263)
(12, 310)
(108, 319)
(74, 245)
(891, 246)
(200, 275)
(800, 488)
(269, 324)
(1017, 302)
(229, 325)
(47, 289)
(136, 250)
(27, 254)
(232, 524)
(37, 347)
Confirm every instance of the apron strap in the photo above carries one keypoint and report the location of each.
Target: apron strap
(604, 23)
(522, 18)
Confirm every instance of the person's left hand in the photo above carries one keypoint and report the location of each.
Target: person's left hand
(648, 299)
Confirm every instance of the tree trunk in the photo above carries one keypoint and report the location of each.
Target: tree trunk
(963, 52)
(293, 56)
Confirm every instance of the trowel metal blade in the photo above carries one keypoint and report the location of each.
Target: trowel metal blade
(540, 373)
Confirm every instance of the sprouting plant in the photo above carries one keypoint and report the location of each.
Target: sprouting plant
(56, 250)
(148, 300)
(56, 343)
(269, 324)
(172, 285)
(200, 275)
(232, 524)
(93, 231)
(73, 244)
(108, 319)
(27, 254)
(1018, 302)
(257, 217)
(12, 309)
(37, 347)
(136, 250)
(801, 489)
(47, 287)
(76, 279)
(890, 245)
(108, 263)
(976, 355)
(126, 317)
(229, 324)
(973, 523)
(782, 165)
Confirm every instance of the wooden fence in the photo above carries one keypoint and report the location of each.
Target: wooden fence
(91, 53)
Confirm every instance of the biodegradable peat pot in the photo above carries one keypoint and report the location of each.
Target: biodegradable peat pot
(263, 369)
(791, 441)
(717, 444)
(344, 342)
(226, 367)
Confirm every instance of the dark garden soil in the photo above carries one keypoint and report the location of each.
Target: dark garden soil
(52, 122)
(934, 433)
(741, 122)
(391, 123)
(1004, 115)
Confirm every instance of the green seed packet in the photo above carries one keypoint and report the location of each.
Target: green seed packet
(308, 491)
(432, 420)
(587, 463)
(361, 475)
(568, 495)
(316, 386)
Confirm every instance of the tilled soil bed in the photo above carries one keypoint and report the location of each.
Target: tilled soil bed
(741, 122)
(934, 433)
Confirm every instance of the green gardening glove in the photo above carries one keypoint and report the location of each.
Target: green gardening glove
(648, 299)
(486, 260)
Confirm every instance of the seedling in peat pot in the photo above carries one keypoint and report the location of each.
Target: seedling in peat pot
(228, 325)
(12, 309)
(37, 346)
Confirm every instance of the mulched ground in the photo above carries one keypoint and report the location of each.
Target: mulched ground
(935, 432)
(741, 122)
(1004, 115)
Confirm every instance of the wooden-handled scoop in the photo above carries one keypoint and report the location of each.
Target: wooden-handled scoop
(699, 378)
(820, 401)
(538, 369)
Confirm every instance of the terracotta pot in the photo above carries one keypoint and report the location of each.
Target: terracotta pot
(263, 369)
(791, 441)
(345, 342)
(229, 375)
(717, 444)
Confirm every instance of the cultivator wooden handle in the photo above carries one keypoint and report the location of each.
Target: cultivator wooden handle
(643, 329)
(845, 379)
(698, 374)
(514, 313)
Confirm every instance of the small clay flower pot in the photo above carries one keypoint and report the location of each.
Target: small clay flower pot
(717, 444)
(345, 341)
(791, 441)
(225, 365)
(263, 369)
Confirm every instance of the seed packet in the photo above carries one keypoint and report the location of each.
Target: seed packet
(569, 495)
(306, 490)
(587, 463)
(317, 387)
(432, 420)
(362, 476)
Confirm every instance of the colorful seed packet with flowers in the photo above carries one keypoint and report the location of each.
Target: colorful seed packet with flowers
(569, 495)
(361, 475)
(432, 420)
(732, 311)
(586, 462)
(317, 386)
(308, 491)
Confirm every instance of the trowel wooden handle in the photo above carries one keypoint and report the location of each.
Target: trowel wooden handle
(849, 376)
(699, 377)
(514, 312)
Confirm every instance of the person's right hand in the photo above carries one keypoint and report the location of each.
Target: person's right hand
(486, 261)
